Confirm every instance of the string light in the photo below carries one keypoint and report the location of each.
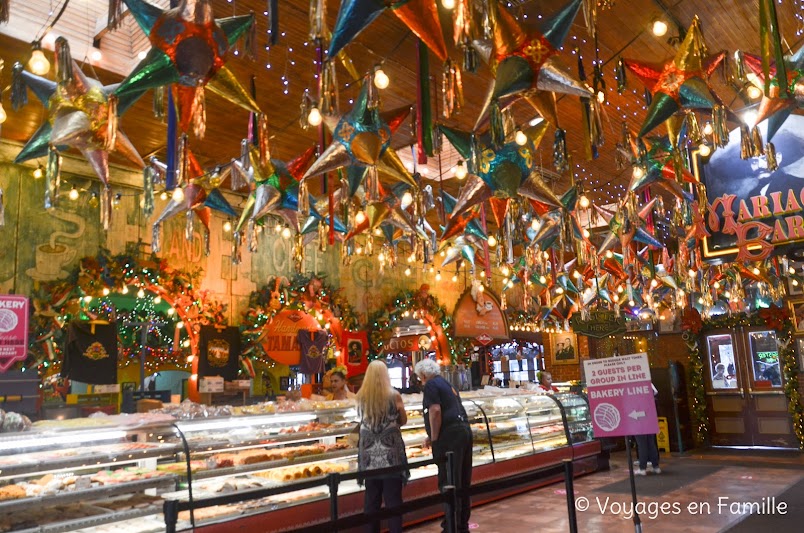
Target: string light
(178, 194)
(314, 117)
(38, 64)
(73, 194)
(38, 172)
(659, 28)
(448, 4)
(520, 138)
(460, 170)
(381, 79)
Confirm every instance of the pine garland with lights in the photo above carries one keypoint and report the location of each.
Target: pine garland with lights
(305, 292)
(407, 302)
(700, 418)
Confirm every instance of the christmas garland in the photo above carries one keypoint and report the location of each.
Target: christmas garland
(405, 303)
(305, 292)
(58, 302)
(774, 317)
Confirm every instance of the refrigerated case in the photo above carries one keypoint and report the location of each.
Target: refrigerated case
(744, 386)
(114, 474)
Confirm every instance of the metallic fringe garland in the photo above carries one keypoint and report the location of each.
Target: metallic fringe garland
(2, 210)
(5, 10)
(189, 225)
(720, 129)
(250, 41)
(451, 90)
(273, 15)
(694, 133)
(739, 68)
(148, 190)
(750, 142)
(323, 236)
(560, 155)
(111, 123)
(182, 173)
(159, 103)
(304, 110)
(64, 61)
(251, 236)
(304, 200)
(239, 176)
(622, 81)
(115, 16)
(236, 238)
(318, 14)
(52, 178)
(373, 95)
(19, 91)
(329, 90)
(264, 140)
(770, 154)
(497, 124)
(106, 207)
(298, 253)
(206, 242)
(703, 203)
(199, 108)
(155, 238)
(372, 185)
(590, 17)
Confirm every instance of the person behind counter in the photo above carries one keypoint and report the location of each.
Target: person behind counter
(382, 413)
(337, 382)
(546, 382)
(448, 430)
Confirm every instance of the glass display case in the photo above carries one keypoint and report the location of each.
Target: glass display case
(114, 473)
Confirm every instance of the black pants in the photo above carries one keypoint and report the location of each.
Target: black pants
(390, 490)
(647, 450)
(457, 438)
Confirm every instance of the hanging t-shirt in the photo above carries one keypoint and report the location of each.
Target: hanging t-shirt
(313, 346)
(219, 352)
(90, 354)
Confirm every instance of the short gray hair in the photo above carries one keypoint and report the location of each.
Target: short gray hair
(428, 368)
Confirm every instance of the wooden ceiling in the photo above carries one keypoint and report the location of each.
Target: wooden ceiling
(623, 31)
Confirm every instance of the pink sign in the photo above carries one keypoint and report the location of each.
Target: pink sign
(13, 330)
(621, 396)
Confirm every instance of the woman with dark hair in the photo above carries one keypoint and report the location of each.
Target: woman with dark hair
(337, 381)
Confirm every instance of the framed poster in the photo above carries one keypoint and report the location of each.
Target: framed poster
(795, 287)
(797, 312)
(563, 348)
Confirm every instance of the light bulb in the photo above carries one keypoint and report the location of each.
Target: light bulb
(791, 270)
(105, 291)
(87, 299)
(638, 172)
(460, 170)
(407, 271)
(520, 138)
(227, 226)
(438, 276)
(708, 129)
(704, 150)
(601, 96)
(38, 172)
(163, 196)
(583, 201)
(631, 303)
(124, 290)
(171, 311)
(653, 283)
(542, 279)
(559, 290)
(753, 92)
(448, 4)
(609, 254)
(96, 54)
(377, 232)
(756, 271)
(314, 117)
(360, 217)
(505, 270)
(381, 80)
(286, 232)
(179, 324)
(278, 228)
(585, 233)
(158, 300)
(73, 195)
(38, 64)
(3, 114)
(659, 28)
(454, 279)
(407, 199)
(141, 55)
(750, 118)
(534, 224)
(178, 194)
(140, 293)
(492, 241)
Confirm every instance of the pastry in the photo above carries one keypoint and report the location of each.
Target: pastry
(12, 492)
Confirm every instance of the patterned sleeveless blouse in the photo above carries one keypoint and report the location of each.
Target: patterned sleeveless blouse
(381, 445)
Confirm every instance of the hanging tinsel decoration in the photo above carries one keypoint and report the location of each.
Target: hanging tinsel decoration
(756, 141)
(236, 238)
(304, 110)
(148, 191)
(620, 75)
(158, 103)
(304, 199)
(199, 112)
(2, 210)
(111, 123)
(770, 154)
(183, 165)
(590, 17)
(622, 152)
(739, 68)
(189, 225)
(464, 32)
(5, 10)
(64, 61)
(273, 16)
(451, 90)
(298, 253)
(560, 154)
(251, 235)
(329, 90)
(323, 236)
(372, 185)
(53, 178)
(424, 107)
(746, 146)
(318, 14)
(694, 133)
(647, 97)
(156, 239)
(496, 125)
(19, 91)
(720, 129)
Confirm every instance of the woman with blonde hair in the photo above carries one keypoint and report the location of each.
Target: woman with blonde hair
(382, 413)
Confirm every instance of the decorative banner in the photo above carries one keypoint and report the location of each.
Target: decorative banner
(13, 330)
(355, 348)
(601, 323)
(280, 337)
(621, 396)
(753, 211)
(478, 316)
(408, 343)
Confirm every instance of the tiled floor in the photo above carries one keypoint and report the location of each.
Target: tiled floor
(733, 477)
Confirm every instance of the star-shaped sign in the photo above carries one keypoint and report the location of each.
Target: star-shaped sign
(681, 83)
(188, 50)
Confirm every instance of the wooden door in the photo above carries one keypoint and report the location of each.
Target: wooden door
(725, 384)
